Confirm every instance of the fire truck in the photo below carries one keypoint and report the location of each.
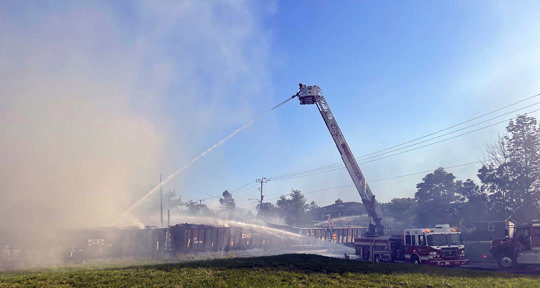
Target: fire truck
(522, 249)
(439, 246)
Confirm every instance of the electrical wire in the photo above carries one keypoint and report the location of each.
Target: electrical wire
(189, 188)
(243, 187)
(442, 135)
(386, 179)
(247, 188)
(377, 154)
(459, 124)
(395, 154)
(338, 166)
(430, 144)
(422, 172)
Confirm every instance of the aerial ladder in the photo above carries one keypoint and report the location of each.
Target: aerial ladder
(313, 95)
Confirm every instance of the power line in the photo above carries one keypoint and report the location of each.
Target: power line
(198, 191)
(243, 187)
(379, 152)
(239, 190)
(422, 172)
(395, 154)
(459, 124)
(439, 136)
(317, 191)
(386, 179)
(430, 144)
(338, 166)
(247, 188)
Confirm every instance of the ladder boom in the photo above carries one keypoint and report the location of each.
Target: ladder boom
(313, 95)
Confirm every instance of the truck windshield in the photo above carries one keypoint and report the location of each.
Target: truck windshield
(436, 240)
(454, 239)
(444, 239)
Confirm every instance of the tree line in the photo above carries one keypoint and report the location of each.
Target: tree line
(508, 185)
(289, 209)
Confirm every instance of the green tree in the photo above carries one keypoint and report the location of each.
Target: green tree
(293, 208)
(173, 200)
(472, 204)
(511, 171)
(312, 206)
(195, 208)
(435, 198)
(227, 202)
(403, 210)
(266, 210)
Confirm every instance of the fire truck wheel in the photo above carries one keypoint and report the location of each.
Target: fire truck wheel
(506, 261)
(415, 260)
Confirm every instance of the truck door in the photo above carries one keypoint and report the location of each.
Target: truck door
(526, 236)
(535, 238)
(535, 244)
(523, 237)
(422, 249)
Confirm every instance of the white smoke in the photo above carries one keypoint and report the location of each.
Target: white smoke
(89, 93)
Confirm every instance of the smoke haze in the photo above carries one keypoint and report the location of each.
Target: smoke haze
(85, 101)
(70, 146)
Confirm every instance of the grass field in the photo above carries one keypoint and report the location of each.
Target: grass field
(292, 270)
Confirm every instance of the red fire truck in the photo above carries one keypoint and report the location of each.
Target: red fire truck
(521, 249)
(439, 246)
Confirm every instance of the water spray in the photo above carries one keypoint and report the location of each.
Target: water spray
(198, 157)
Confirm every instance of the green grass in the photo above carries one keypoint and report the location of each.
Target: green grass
(295, 270)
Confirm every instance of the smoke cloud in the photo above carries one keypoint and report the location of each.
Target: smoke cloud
(87, 99)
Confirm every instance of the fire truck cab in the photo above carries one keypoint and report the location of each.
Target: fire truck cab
(520, 250)
(439, 246)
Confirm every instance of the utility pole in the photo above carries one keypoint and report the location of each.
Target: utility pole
(161, 199)
(262, 180)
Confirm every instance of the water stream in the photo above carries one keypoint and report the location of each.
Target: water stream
(315, 245)
(197, 158)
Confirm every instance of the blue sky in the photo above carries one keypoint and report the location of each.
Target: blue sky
(100, 98)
